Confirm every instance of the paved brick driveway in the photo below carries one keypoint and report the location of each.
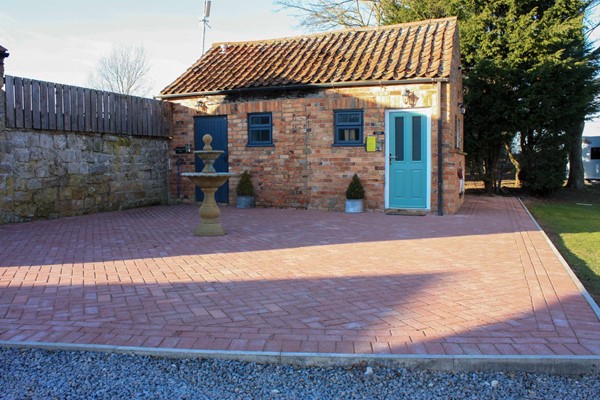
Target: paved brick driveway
(481, 282)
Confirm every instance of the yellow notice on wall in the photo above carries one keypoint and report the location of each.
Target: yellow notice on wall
(371, 143)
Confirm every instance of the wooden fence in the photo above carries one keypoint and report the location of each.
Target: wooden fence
(32, 104)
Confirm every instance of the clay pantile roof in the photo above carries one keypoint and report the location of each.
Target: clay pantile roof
(394, 52)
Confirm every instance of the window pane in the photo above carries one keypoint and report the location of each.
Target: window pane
(456, 132)
(399, 139)
(595, 153)
(260, 135)
(348, 118)
(348, 135)
(416, 139)
(260, 120)
(265, 135)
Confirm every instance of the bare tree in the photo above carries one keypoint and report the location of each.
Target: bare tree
(123, 70)
(330, 14)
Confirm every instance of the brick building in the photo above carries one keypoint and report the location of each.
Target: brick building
(304, 114)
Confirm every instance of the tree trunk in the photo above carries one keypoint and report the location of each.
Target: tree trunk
(489, 186)
(574, 137)
(488, 175)
(515, 163)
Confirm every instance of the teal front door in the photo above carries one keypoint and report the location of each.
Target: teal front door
(408, 153)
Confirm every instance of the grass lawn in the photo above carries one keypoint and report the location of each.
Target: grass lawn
(572, 221)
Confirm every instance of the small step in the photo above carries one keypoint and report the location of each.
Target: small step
(399, 211)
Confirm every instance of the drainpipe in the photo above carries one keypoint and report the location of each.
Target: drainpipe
(440, 152)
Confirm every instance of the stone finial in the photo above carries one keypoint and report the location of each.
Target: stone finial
(3, 54)
(207, 139)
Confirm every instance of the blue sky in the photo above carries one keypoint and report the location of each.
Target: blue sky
(61, 40)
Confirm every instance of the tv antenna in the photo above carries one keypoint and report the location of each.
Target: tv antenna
(204, 22)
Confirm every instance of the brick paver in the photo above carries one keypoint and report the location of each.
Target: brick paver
(483, 281)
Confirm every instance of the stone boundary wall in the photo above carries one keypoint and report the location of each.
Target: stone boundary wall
(52, 174)
(57, 174)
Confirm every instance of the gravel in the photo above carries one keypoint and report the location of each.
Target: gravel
(40, 374)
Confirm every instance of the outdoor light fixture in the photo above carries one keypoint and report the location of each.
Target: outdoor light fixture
(200, 106)
(462, 108)
(406, 96)
(409, 98)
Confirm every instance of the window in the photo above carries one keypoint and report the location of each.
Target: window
(595, 153)
(260, 129)
(457, 138)
(417, 149)
(399, 139)
(348, 128)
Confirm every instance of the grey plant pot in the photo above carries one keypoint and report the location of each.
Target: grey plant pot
(245, 202)
(354, 206)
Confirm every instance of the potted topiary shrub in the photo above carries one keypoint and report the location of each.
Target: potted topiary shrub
(245, 192)
(354, 196)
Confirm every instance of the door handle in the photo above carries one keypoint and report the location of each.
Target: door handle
(391, 158)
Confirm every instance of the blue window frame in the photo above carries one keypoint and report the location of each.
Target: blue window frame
(348, 130)
(260, 129)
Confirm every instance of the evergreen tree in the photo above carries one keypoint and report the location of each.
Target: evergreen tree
(245, 186)
(355, 189)
(557, 87)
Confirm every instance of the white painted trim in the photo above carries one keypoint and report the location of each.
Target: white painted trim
(426, 112)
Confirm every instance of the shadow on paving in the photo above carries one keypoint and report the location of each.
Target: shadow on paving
(167, 231)
(293, 310)
(568, 327)
(368, 314)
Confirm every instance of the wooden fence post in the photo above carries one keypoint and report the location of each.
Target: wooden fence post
(3, 55)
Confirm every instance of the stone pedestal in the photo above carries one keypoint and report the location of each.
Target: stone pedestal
(210, 216)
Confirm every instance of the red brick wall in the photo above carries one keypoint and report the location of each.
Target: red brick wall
(303, 169)
(454, 156)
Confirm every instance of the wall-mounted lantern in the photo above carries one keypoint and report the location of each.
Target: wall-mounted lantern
(410, 98)
(200, 106)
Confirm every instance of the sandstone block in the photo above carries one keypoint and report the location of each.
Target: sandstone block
(59, 142)
(45, 196)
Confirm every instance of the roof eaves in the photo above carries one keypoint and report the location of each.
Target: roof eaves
(305, 86)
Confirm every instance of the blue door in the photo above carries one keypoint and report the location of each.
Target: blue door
(217, 128)
(408, 154)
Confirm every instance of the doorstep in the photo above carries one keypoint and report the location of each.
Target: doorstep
(409, 212)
